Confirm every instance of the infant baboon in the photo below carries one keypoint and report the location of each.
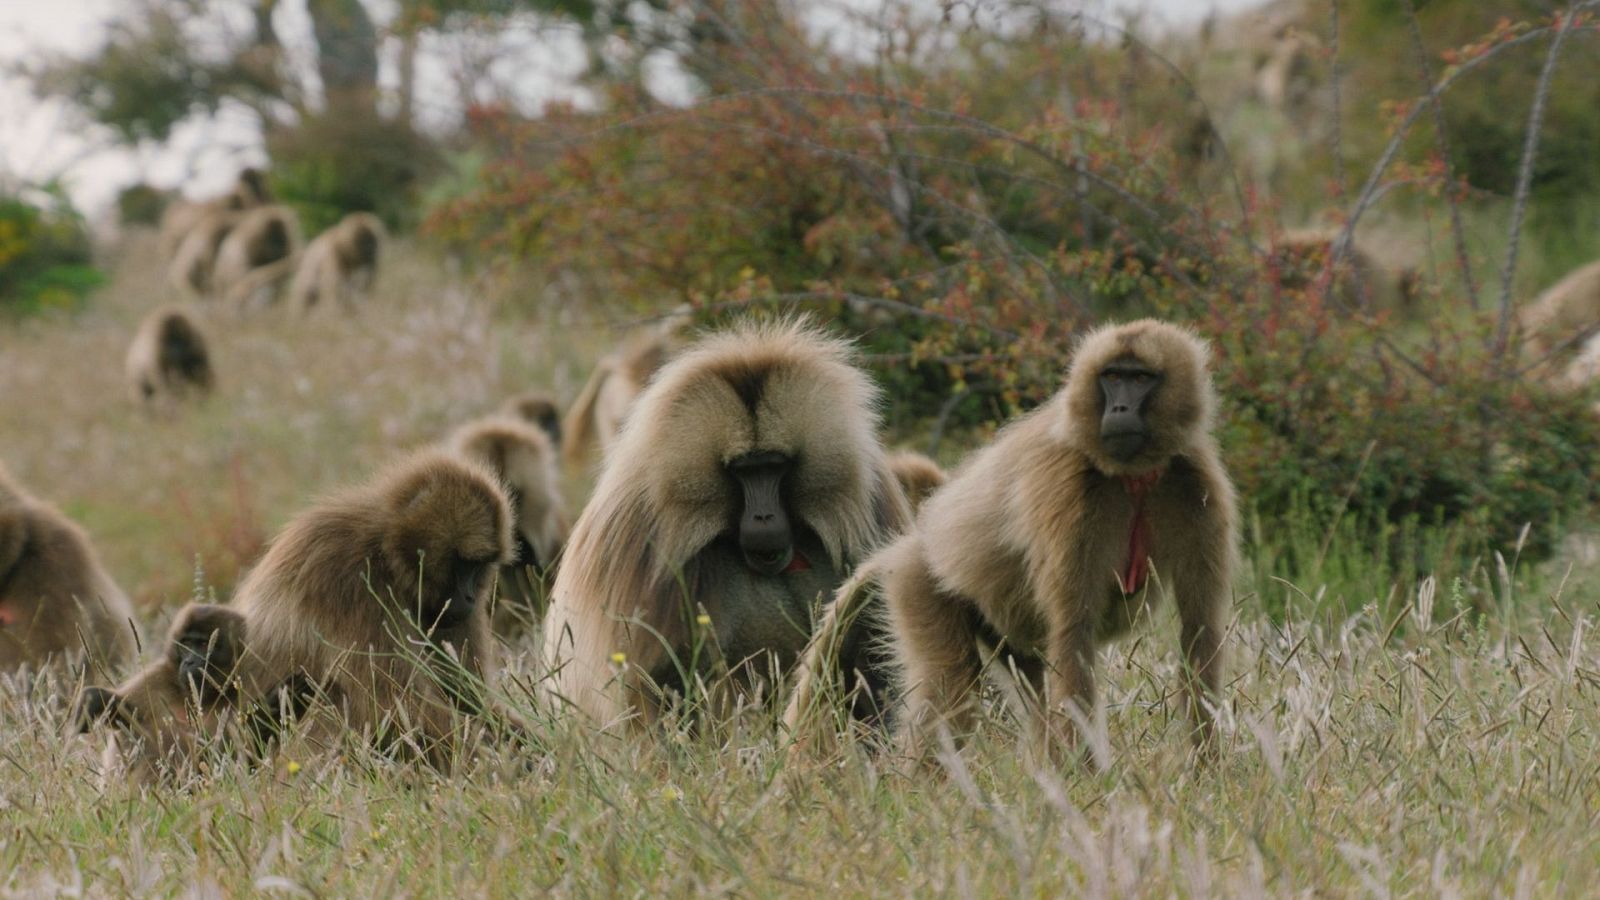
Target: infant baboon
(538, 409)
(522, 457)
(746, 480)
(56, 601)
(189, 695)
(374, 601)
(919, 476)
(339, 263)
(617, 381)
(1047, 543)
(1558, 322)
(168, 361)
(180, 216)
(266, 237)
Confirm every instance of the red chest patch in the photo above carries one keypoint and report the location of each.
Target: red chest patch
(798, 563)
(1136, 570)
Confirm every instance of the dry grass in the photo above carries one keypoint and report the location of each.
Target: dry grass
(1367, 755)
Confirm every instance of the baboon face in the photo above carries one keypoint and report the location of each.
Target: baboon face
(766, 538)
(1126, 386)
(1139, 391)
(164, 708)
(450, 537)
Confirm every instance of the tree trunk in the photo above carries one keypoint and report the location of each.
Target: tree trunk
(347, 53)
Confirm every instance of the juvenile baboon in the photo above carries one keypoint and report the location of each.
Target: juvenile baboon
(339, 263)
(249, 190)
(56, 600)
(168, 360)
(1048, 542)
(1557, 323)
(538, 409)
(596, 416)
(188, 695)
(524, 460)
(1360, 281)
(919, 476)
(373, 601)
(266, 236)
(746, 480)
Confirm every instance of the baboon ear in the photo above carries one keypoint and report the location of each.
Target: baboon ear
(97, 705)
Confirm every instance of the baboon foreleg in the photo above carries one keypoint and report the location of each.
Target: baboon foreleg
(1069, 684)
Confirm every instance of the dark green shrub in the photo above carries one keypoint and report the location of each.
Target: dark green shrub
(45, 254)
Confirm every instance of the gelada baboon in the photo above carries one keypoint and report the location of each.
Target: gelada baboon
(193, 266)
(256, 254)
(186, 697)
(919, 476)
(168, 360)
(596, 416)
(522, 457)
(746, 480)
(339, 263)
(538, 409)
(1359, 282)
(1559, 321)
(373, 601)
(56, 600)
(249, 190)
(1058, 536)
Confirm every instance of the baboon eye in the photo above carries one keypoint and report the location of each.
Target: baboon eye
(1142, 378)
(1112, 376)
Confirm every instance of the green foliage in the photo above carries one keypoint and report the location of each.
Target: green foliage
(967, 223)
(45, 260)
(141, 204)
(333, 164)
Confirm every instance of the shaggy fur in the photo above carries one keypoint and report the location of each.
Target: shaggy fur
(168, 361)
(56, 600)
(539, 410)
(651, 551)
(351, 602)
(617, 381)
(1022, 549)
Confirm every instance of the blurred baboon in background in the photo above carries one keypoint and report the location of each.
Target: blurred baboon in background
(919, 476)
(193, 268)
(168, 361)
(56, 600)
(1560, 320)
(267, 236)
(1286, 74)
(339, 263)
(181, 216)
(747, 479)
(596, 416)
(523, 458)
(1359, 282)
(539, 409)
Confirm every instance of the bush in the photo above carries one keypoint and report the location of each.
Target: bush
(966, 249)
(141, 204)
(45, 254)
(348, 161)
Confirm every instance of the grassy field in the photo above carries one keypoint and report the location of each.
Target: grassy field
(1439, 740)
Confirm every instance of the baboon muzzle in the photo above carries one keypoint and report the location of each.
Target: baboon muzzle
(765, 536)
(1126, 388)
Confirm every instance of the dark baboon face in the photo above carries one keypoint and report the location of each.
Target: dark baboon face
(205, 648)
(1126, 386)
(766, 538)
(273, 245)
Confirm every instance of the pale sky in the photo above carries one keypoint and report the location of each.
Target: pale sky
(535, 63)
